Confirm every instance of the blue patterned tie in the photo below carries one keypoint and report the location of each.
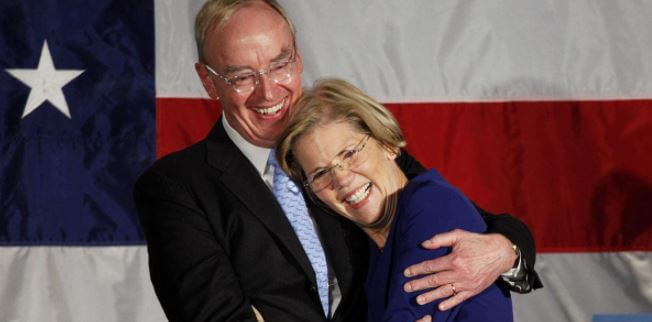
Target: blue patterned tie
(291, 200)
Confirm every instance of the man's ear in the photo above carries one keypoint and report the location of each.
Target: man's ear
(299, 62)
(206, 81)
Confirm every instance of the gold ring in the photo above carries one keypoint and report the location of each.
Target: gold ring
(454, 291)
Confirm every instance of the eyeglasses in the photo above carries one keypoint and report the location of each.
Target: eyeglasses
(349, 159)
(246, 82)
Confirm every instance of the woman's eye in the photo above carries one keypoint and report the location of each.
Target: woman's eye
(348, 154)
(318, 175)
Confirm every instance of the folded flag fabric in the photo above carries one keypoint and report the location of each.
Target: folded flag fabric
(539, 109)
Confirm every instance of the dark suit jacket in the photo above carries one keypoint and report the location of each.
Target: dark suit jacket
(218, 241)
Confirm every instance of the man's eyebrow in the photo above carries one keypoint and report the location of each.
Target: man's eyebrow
(236, 68)
(283, 55)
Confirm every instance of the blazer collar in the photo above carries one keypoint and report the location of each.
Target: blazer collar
(244, 181)
(337, 235)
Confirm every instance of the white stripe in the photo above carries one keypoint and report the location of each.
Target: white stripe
(580, 285)
(70, 284)
(451, 50)
(175, 49)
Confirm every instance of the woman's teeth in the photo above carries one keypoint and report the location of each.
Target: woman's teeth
(271, 109)
(360, 194)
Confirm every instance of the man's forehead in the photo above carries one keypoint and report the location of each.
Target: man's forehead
(254, 23)
(251, 39)
(283, 54)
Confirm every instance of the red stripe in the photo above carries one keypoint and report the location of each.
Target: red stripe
(181, 122)
(578, 173)
(593, 249)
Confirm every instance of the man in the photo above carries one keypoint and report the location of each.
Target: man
(219, 242)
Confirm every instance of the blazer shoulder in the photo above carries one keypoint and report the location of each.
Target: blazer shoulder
(180, 163)
(183, 169)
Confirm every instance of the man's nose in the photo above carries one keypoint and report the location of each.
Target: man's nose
(265, 87)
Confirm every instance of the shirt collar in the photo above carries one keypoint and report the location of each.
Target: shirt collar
(256, 155)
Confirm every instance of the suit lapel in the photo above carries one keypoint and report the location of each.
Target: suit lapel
(240, 176)
(336, 237)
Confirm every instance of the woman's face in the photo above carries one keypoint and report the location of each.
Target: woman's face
(359, 187)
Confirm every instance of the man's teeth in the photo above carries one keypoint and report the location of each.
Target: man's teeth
(360, 194)
(271, 109)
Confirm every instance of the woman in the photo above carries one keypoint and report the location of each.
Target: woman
(342, 144)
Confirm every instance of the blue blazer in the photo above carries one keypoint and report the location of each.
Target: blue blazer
(427, 206)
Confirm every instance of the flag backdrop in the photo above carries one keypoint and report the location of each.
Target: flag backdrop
(542, 109)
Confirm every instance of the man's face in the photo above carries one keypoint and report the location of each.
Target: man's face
(254, 37)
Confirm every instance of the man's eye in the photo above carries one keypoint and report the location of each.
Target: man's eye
(242, 79)
(277, 67)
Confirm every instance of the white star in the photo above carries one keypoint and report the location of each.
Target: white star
(46, 83)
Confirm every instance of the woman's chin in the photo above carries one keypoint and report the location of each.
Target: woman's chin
(365, 221)
(364, 213)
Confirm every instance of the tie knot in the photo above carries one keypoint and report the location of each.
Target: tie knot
(271, 160)
(281, 179)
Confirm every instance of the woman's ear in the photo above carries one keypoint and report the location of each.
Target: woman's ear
(391, 153)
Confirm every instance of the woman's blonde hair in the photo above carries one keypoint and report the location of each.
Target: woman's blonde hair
(335, 100)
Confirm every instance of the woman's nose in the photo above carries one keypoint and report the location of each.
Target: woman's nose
(341, 176)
